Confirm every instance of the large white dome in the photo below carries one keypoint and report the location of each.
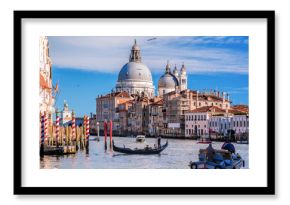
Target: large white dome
(135, 77)
(135, 71)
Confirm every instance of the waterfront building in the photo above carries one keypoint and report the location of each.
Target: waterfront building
(137, 122)
(197, 120)
(240, 124)
(123, 116)
(177, 103)
(106, 107)
(46, 101)
(156, 117)
(220, 125)
(135, 77)
(214, 121)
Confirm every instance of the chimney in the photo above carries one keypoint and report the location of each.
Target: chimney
(224, 94)
(197, 99)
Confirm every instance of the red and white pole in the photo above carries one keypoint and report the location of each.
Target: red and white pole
(42, 129)
(45, 128)
(73, 127)
(57, 128)
(88, 128)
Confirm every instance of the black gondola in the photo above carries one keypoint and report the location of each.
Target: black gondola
(146, 150)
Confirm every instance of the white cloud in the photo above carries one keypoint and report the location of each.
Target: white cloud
(109, 54)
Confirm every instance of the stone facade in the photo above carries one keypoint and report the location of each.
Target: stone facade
(46, 98)
(106, 107)
(176, 104)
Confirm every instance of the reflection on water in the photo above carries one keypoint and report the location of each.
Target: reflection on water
(176, 156)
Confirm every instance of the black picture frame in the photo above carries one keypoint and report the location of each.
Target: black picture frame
(269, 16)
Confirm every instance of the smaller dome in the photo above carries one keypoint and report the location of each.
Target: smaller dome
(167, 80)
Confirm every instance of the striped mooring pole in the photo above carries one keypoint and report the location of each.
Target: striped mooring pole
(73, 127)
(45, 128)
(57, 128)
(42, 135)
(87, 129)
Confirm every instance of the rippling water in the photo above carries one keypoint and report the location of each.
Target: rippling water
(176, 156)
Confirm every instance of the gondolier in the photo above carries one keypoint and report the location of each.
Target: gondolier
(159, 142)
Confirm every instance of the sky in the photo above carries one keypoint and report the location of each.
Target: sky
(86, 67)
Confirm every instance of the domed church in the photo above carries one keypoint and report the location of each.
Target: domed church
(172, 81)
(135, 77)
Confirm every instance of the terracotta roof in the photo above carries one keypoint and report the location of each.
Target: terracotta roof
(127, 102)
(208, 109)
(43, 83)
(239, 109)
(160, 102)
(122, 94)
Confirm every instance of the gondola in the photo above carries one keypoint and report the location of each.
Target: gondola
(146, 150)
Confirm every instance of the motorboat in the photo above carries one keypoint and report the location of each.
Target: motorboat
(222, 159)
(140, 138)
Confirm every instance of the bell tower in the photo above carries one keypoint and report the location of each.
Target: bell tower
(183, 78)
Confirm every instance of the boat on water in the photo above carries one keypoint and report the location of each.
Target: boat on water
(204, 140)
(147, 150)
(222, 159)
(140, 138)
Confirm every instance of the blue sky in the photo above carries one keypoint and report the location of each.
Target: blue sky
(86, 67)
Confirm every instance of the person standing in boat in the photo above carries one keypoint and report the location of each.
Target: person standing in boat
(159, 142)
(210, 152)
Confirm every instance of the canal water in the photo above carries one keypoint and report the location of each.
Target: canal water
(177, 155)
